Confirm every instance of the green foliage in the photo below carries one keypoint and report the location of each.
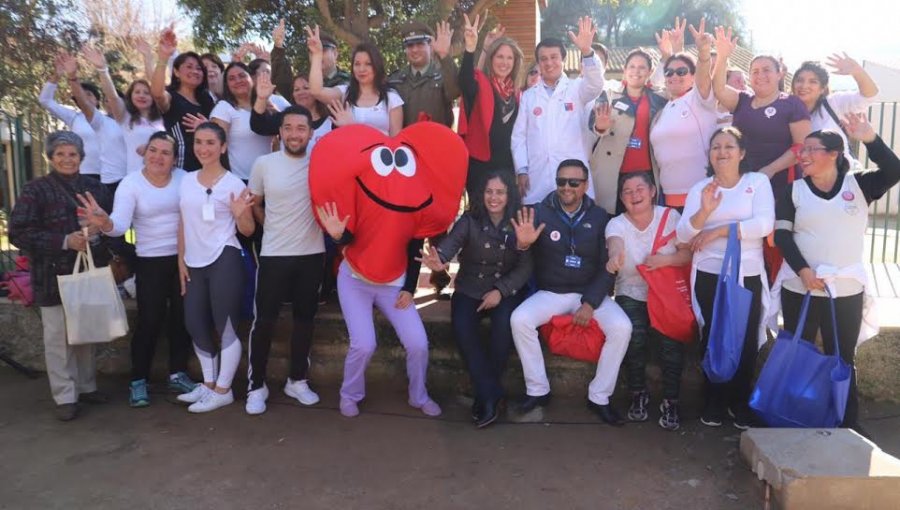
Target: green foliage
(31, 32)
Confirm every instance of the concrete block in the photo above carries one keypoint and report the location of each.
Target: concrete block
(823, 469)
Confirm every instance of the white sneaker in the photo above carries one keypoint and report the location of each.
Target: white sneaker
(194, 395)
(211, 401)
(300, 391)
(256, 400)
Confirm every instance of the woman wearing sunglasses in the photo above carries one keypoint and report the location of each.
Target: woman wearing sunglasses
(821, 223)
(620, 122)
(680, 134)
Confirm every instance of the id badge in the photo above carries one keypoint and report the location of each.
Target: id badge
(209, 211)
(573, 261)
(634, 143)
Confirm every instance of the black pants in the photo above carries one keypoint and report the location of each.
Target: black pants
(672, 358)
(849, 320)
(736, 392)
(280, 279)
(159, 301)
(486, 365)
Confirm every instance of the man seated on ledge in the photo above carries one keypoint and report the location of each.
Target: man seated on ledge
(566, 232)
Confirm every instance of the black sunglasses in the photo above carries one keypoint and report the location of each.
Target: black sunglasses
(681, 71)
(573, 183)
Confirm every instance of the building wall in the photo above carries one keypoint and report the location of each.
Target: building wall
(522, 20)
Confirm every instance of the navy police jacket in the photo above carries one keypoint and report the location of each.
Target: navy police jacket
(570, 254)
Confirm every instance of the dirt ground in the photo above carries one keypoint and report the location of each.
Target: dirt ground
(389, 457)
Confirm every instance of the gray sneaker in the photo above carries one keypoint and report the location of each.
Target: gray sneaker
(638, 410)
(669, 419)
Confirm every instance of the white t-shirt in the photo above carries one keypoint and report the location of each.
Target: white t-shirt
(279, 102)
(680, 140)
(751, 205)
(638, 245)
(325, 128)
(204, 240)
(113, 156)
(153, 211)
(377, 116)
(842, 103)
(244, 146)
(136, 136)
(290, 228)
(78, 123)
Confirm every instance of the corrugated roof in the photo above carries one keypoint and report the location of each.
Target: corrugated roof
(741, 59)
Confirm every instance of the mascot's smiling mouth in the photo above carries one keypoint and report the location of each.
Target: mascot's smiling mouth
(394, 207)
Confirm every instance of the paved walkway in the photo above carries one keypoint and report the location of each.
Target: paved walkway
(389, 457)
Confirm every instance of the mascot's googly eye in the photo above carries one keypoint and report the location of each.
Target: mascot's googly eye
(405, 161)
(382, 161)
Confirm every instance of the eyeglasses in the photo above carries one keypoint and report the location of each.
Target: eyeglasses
(681, 71)
(533, 72)
(572, 183)
(810, 150)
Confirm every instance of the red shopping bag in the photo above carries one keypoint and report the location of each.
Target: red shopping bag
(669, 294)
(564, 338)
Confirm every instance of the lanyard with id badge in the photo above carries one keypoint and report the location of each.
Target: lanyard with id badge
(572, 260)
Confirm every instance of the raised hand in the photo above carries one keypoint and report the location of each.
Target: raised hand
(585, 36)
(664, 43)
(843, 64)
(259, 52)
(676, 35)
(702, 39)
(94, 56)
(858, 127)
(490, 300)
(470, 32)
(142, 46)
(443, 37)
(168, 43)
(725, 42)
(241, 204)
(496, 33)
(67, 64)
(264, 86)
(603, 120)
(341, 113)
(241, 52)
(432, 260)
(190, 121)
(710, 198)
(331, 222)
(91, 212)
(278, 34)
(313, 42)
(523, 224)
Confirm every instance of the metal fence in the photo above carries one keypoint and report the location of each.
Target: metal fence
(882, 239)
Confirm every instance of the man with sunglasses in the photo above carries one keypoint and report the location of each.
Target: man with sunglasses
(566, 233)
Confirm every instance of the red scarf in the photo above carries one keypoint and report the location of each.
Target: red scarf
(505, 87)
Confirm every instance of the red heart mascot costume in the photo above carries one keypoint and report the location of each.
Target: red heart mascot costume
(391, 193)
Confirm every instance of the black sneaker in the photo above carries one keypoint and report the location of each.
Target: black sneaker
(712, 416)
(638, 410)
(669, 419)
(741, 416)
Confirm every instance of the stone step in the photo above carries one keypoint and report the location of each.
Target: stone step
(823, 469)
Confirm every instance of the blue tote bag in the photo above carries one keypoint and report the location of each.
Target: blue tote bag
(731, 309)
(799, 386)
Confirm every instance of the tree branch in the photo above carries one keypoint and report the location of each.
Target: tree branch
(338, 31)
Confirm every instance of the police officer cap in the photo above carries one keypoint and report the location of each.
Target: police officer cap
(415, 32)
(327, 41)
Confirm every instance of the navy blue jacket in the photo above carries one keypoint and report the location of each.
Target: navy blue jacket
(559, 239)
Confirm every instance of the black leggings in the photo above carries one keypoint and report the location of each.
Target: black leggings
(213, 301)
(159, 301)
(736, 392)
(849, 321)
(279, 279)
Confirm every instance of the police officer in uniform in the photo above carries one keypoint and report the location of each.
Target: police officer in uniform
(283, 74)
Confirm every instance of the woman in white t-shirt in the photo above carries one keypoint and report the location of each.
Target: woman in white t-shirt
(826, 110)
(368, 99)
(136, 113)
(213, 201)
(679, 136)
(233, 114)
(730, 195)
(629, 240)
(148, 200)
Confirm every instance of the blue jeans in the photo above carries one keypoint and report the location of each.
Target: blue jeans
(486, 364)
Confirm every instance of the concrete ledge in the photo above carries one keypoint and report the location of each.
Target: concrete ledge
(822, 469)
(21, 338)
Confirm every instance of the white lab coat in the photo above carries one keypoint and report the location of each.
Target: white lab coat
(552, 128)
